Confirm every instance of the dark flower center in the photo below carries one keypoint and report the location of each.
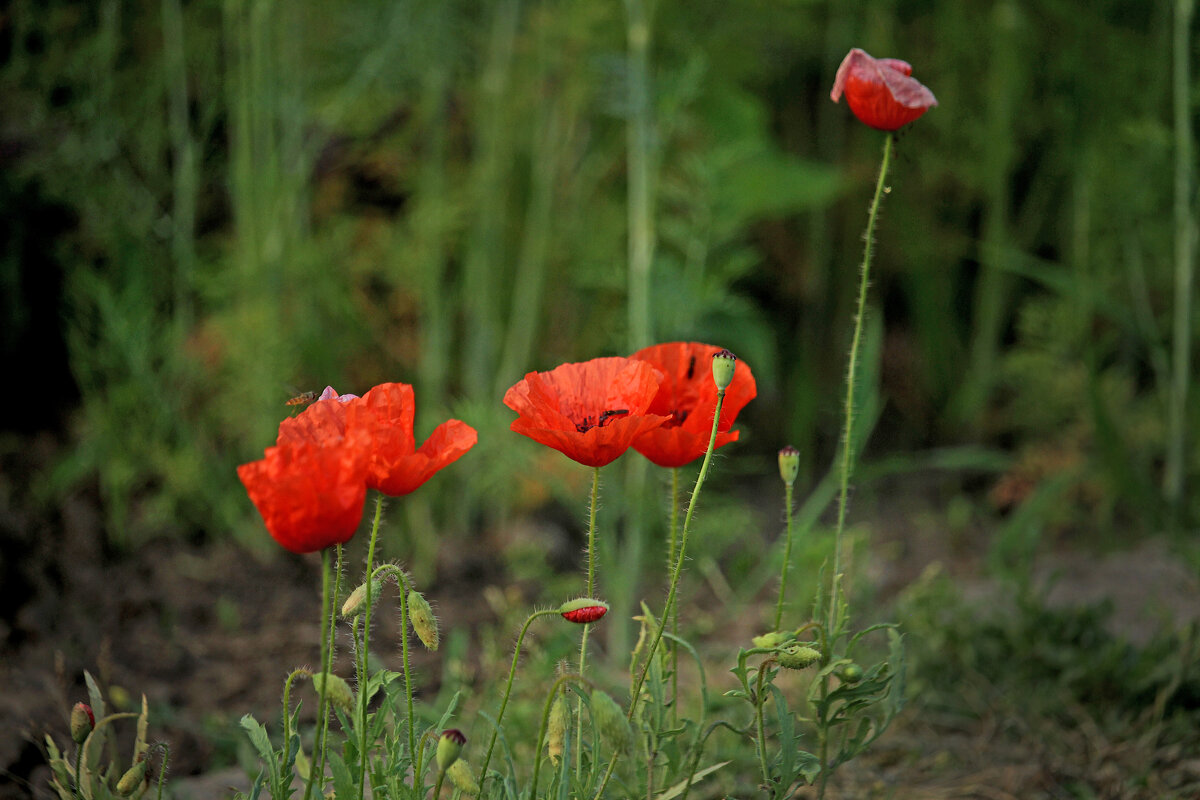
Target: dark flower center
(590, 422)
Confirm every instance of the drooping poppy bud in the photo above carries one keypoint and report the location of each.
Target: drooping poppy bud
(798, 656)
(559, 721)
(789, 464)
(611, 721)
(424, 623)
(449, 748)
(583, 610)
(335, 689)
(132, 779)
(723, 365)
(82, 722)
(772, 639)
(461, 778)
(356, 603)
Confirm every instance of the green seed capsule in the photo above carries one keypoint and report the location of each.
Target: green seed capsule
(797, 656)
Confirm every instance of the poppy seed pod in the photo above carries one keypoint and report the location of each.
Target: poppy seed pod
(424, 623)
(583, 610)
(449, 748)
(82, 722)
(798, 656)
(789, 464)
(723, 365)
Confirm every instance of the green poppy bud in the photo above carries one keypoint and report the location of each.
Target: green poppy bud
(611, 721)
(851, 673)
(449, 747)
(132, 779)
(771, 640)
(423, 621)
(461, 778)
(797, 656)
(356, 603)
(560, 719)
(789, 464)
(723, 364)
(336, 689)
(82, 722)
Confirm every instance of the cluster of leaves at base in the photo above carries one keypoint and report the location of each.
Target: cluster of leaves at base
(98, 781)
(1052, 659)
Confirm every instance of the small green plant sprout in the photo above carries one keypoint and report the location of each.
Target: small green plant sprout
(91, 731)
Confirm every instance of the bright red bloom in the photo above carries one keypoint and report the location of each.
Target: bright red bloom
(880, 91)
(394, 466)
(310, 495)
(689, 396)
(590, 412)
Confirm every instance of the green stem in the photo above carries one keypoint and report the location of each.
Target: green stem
(787, 557)
(437, 787)
(848, 455)
(512, 671)
(591, 592)
(78, 769)
(545, 725)
(403, 582)
(327, 625)
(287, 703)
(363, 664)
(687, 526)
(759, 727)
(674, 611)
(823, 743)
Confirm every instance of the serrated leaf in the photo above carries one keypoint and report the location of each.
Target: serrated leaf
(700, 775)
(787, 737)
(143, 725)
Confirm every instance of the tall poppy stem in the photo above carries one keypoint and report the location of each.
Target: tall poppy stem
(674, 611)
(848, 454)
(787, 556)
(363, 665)
(591, 592)
(635, 695)
(328, 618)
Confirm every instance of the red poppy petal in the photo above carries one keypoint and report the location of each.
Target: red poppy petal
(405, 473)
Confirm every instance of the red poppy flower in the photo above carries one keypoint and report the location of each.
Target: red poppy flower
(591, 411)
(310, 495)
(323, 422)
(880, 91)
(689, 396)
(394, 465)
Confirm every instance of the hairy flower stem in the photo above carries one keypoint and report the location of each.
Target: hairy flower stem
(287, 703)
(674, 611)
(363, 666)
(328, 620)
(437, 787)
(787, 556)
(848, 455)
(512, 671)
(591, 592)
(759, 728)
(635, 695)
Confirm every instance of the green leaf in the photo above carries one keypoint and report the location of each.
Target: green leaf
(700, 775)
(343, 782)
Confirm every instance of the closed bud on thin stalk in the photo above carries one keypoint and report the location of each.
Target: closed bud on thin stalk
(449, 747)
(424, 623)
(560, 719)
(336, 689)
(356, 603)
(723, 364)
(82, 722)
(611, 721)
(583, 610)
(789, 464)
(461, 778)
(132, 779)
(798, 656)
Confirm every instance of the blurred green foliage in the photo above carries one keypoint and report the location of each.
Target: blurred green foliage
(268, 197)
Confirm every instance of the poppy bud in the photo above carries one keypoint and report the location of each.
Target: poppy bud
(449, 747)
(132, 779)
(789, 464)
(723, 364)
(336, 689)
(797, 656)
(424, 623)
(771, 640)
(611, 721)
(583, 610)
(461, 778)
(357, 601)
(559, 720)
(82, 722)
(851, 673)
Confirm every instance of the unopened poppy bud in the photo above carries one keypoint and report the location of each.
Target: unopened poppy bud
(611, 721)
(723, 364)
(851, 673)
(797, 656)
(449, 747)
(461, 778)
(82, 722)
(789, 464)
(583, 610)
(356, 603)
(336, 689)
(771, 640)
(559, 721)
(132, 779)
(424, 623)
